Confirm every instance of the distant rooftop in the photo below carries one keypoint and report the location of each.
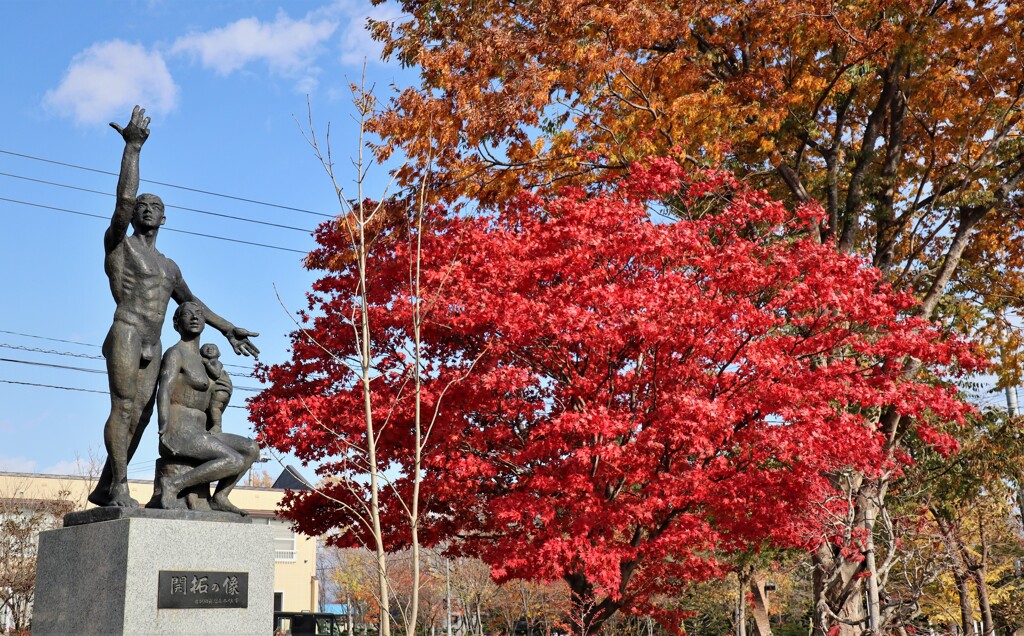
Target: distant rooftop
(290, 479)
(284, 476)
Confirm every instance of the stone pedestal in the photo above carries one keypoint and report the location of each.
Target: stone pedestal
(104, 577)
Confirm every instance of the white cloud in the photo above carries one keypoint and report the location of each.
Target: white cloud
(107, 79)
(356, 42)
(17, 465)
(288, 47)
(307, 84)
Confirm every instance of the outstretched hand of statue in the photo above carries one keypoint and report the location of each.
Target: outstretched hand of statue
(239, 340)
(137, 130)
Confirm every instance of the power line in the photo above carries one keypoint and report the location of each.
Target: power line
(91, 357)
(176, 207)
(168, 229)
(169, 185)
(28, 335)
(4, 345)
(52, 366)
(70, 368)
(54, 386)
(74, 388)
(81, 355)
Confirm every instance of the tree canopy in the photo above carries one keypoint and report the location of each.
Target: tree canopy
(902, 119)
(621, 384)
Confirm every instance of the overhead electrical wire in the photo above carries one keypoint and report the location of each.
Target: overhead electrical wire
(175, 207)
(54, 386)
(70, 368)
(54, 352)
(169, 185)
(76, 355)
(166, 229)
(51, 365)
(4, 345)
(29, 335)
(74, 388)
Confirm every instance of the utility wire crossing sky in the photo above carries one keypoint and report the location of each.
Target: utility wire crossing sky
(224, 84)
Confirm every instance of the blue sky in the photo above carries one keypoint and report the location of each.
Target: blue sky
(222, 82)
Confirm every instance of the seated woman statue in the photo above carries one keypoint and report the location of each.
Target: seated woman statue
(183, 401)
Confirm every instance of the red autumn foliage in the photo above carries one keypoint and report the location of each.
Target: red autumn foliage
(612, 399)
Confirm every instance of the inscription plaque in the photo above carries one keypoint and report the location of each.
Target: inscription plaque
(202, 590)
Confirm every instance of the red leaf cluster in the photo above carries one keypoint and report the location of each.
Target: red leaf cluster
(612, 400)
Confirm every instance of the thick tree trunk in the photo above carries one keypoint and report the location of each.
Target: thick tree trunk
(837, 590)
(966, 609)
(820, 566)
(587, 615)
(988, 627)
(479, 620)
(961, 574)
(836, 593)
(762, 624)
(979, 569)
(852, 615)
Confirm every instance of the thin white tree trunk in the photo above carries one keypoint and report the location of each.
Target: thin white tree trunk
(448, 594)
(371, 451)
(741, 606)
(874, 603)
(366, 362)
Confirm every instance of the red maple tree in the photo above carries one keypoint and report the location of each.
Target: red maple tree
(614, 396)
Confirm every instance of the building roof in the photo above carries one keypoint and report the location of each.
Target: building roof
(290, 479)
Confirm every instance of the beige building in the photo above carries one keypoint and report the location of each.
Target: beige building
(295, 582)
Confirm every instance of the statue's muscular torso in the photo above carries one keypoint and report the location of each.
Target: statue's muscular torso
(142, 281)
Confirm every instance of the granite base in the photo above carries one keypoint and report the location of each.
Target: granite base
(102, 578)
(112, 513)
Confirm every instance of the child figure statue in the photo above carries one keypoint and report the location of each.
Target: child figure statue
(222, 387)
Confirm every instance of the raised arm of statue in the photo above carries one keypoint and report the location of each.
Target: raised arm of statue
(237, 337)
(134, 134)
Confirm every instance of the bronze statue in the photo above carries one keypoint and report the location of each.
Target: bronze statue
(193, 449)
(142, 281)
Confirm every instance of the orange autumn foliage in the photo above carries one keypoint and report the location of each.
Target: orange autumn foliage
(903, 119)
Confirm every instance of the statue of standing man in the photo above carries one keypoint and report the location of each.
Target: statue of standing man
(142, 281)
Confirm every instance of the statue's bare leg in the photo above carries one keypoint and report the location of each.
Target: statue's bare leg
(100, 494)
(127, 379)
(146, 386)
(249, 451)
(147, 379)
(221, 462)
